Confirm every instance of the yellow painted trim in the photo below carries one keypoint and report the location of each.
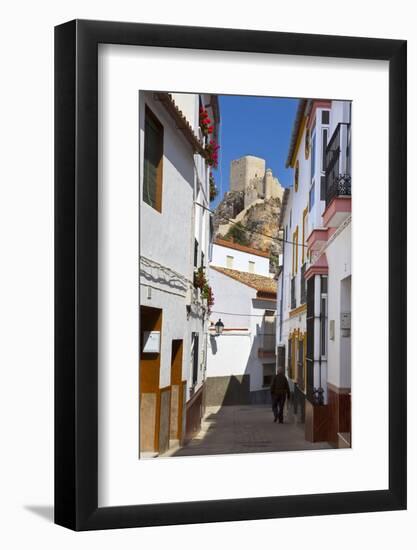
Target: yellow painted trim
(293, 252)
(298, 310)
(305, 211)
(296, 250)
(297, 143)
(293, 351)
(307, 143)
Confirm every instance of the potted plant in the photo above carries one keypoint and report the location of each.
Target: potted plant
(205, 122)
(212, 153)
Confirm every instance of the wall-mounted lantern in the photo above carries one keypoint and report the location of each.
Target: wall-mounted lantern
(219, 326)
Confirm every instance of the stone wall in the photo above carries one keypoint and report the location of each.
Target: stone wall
(227, 390)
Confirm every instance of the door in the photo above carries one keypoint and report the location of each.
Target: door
(149, 373)
(177, 404)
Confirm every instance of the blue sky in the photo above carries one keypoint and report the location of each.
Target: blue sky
(256, 126)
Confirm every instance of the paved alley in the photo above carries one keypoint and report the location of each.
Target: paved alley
(245, 429)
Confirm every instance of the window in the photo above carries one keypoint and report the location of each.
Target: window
(303, 294)
(305, 211)
(323, 315)
(202, 259)
(313, 155)
(251, 267)
(323, 188)
(268, 373)
(152, 164)
(325, 117)
(194, 356)
(295, 251)
(195, 253)
(324, 146)
(311, 197)
(323, 326)
(229, 262)
(307, 143)
(300, 363)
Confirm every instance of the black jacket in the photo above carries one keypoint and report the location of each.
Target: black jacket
(279, 385)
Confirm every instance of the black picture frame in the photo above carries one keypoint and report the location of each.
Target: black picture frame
(76, 272)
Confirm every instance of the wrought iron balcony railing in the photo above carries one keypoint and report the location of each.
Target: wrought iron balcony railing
(338, 163)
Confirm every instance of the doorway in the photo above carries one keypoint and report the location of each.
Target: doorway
(149, 373)
(177, 405)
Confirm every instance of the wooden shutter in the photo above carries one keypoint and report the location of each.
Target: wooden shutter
(153, 153)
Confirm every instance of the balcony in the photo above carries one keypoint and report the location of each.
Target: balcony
(338, 177)
(337, 169)
(340, 187)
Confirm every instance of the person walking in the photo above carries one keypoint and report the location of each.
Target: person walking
(280, 389)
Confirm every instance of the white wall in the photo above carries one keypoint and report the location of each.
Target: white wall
(228, 354)
(298, 201)
(188, 104)
(159, 241)
(167, 238)
(236, 351)
(230, 297)
(339, 259)
(340, 113)
(27, 304)
(240, 260)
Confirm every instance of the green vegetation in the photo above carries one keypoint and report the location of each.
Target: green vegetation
(238, 234)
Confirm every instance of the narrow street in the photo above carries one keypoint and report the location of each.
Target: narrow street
(245, 429)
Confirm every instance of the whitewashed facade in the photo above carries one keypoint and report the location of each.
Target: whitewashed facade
(174, 242)
(241, 361)
(242, 258)
(313, 335)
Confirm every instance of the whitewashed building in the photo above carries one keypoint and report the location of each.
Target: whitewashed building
(313, 335)
(174, 242)
(241, 361)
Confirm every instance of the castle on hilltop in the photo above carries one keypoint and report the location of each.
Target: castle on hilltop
(250, 175)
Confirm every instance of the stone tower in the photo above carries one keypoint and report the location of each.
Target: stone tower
(248, 174)
(245, 169)
(273, 188)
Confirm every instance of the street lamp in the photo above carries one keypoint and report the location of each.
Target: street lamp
(219, 326)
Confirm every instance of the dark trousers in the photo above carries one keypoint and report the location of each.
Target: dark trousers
(278, 402)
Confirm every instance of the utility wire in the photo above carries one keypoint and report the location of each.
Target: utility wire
(249, 230)
(242, 314)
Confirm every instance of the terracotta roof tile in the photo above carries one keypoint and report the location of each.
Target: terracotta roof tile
(182, 123)
(241, 247)
(258, 282)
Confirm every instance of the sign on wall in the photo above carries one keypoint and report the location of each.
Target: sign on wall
(151, 341)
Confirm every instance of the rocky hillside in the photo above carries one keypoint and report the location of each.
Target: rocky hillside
(250, 226)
